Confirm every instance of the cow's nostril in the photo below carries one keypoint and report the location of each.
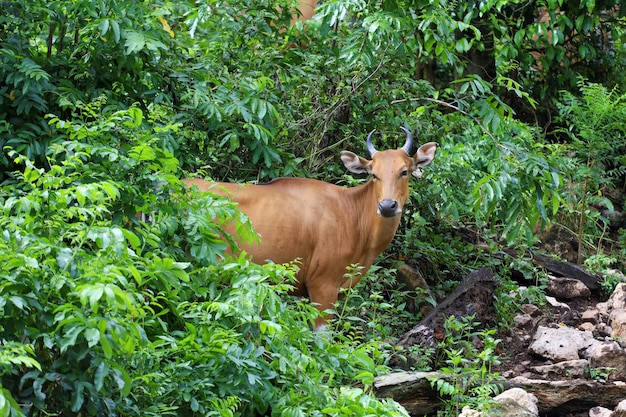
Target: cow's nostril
(388, 208)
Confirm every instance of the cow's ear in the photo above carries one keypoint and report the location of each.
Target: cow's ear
(355, 163)
(424, 156)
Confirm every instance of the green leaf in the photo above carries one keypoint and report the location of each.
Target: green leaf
(68, 339)
(132, 239)
(104, 27)
(116, 30)
(121, 377)
(137, 116)
(102, 371)
(135, 41)
(92, 336)
(31, 174)
(143, 152)
(104, 341)
(77, 396)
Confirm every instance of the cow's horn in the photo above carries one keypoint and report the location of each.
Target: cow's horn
(370, 147)
(408, 143)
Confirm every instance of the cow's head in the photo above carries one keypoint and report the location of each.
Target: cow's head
(390, 171)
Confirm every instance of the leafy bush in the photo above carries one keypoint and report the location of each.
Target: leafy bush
(504, 184)
(105, 314)
(106, 104)
(468, 376)
(595, 129)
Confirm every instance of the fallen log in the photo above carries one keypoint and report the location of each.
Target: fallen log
(414, 392)
(570, 395)
(567, 270)
(410, 389)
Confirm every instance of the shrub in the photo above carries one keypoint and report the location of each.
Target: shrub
(104, 314)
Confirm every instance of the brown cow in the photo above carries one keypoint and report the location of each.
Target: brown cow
(306, 10)
(328, 227)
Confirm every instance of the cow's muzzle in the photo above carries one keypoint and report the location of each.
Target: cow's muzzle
(388, 208)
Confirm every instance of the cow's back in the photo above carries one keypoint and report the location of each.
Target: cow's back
(296, 218)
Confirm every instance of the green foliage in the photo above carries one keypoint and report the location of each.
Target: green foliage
(366, 310)
(14, 358)
(105, 105)
(137, 54)
(504, 184)
(594, 124)
(621, 251)
(468, 376)
(545, 46)
(510, 296)
(134, 318)
(600, 374)
(65, 269)
(600, 264)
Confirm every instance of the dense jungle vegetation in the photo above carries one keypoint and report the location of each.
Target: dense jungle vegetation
(105, 105)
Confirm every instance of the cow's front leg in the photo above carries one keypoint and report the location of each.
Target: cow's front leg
(324, 296)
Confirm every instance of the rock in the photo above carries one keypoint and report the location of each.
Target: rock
(415, 393)
(603, 330)
(470, 412)
(617, 301)
(554, 303)
(567, 288)
(620, 410)
(600, 412)
(531, 309)
(591, 315)
(515, 402)
(608, 361)
(603, 308)
(571, 394)
(567, 269)
(571, 369)
(617, 320)
(508, 407)
(586, 327)
(561, 344)
(524, 322)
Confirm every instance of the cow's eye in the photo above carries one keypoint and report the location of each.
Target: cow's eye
(375, 177)
(404, 173)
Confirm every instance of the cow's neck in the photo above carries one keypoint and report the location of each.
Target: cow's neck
(375, 230)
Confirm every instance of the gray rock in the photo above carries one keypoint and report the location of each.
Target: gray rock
(603, 308)
(617, 301)
(608, 360)
(516, 402)
(591, 315)
(562, 344)
(554, 303)
(555, 395)
(586, 327)
(599, 412)
(620, 410)
(567, 288)
(617, 320)
(576, 368)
